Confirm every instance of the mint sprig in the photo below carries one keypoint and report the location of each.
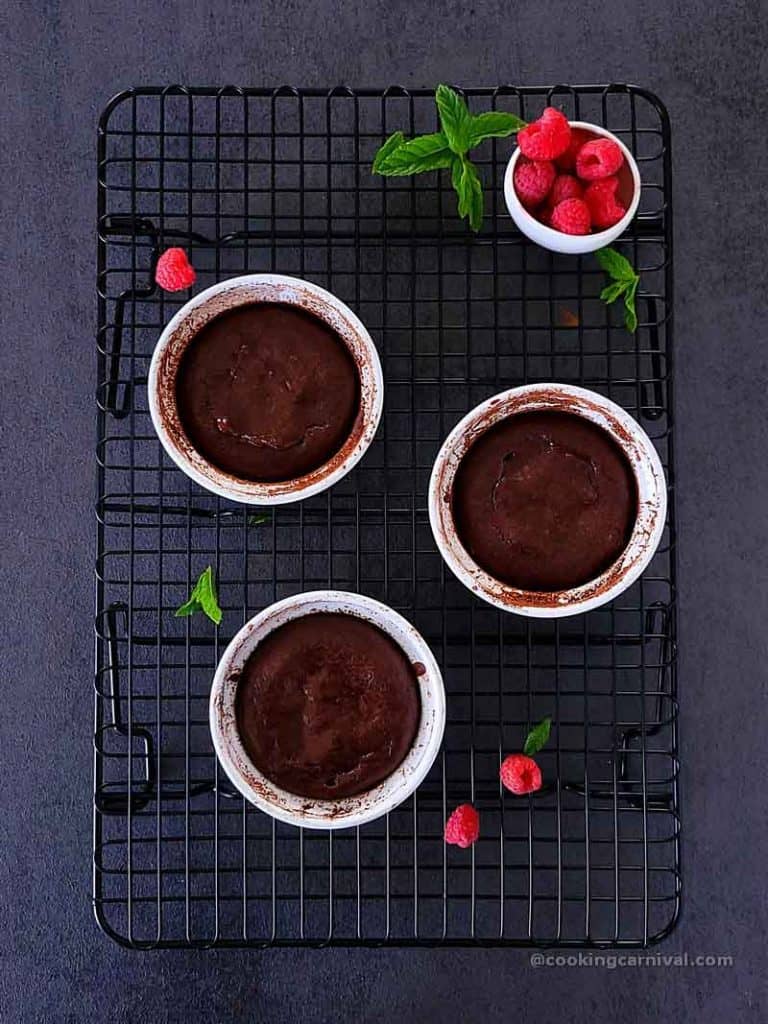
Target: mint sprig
(537, 737)
(624, 283)
(203, 598)
(460, 131)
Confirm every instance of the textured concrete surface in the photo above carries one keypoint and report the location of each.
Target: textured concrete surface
(61, 62)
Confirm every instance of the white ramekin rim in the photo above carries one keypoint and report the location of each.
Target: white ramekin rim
(643, 459)
(557, 241)
(302, 811)
(237, 291)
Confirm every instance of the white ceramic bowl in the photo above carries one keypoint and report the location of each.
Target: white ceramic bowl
(649, 478)
(557, 241)
(239, 291)
(302, 811)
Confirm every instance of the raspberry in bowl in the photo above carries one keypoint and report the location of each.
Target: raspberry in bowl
(570, 186)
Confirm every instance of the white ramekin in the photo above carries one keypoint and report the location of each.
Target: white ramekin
(649, 478)
(557, 241)
(351, 811)
(239, 291)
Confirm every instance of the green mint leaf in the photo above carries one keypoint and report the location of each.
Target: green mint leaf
(393, 142)
(494, 124)
(475, 202)
(469, 189)
(537, 737)
(630, 317)
(625, 282)
(630, 314)
(425, 145)
(203, 598)
(464, 189)
(188, 608)
(612, 291)
(258, 519)
(615, 265)
(401, 164)
(455, 118)
(456, 171)
(414, 156)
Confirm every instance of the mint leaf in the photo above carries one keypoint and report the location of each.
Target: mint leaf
(463, 186)
(615, 265)
(393, 142)
(401, 164)
(625, 282)
(203, 598)
(456, 172)
(414, 156)
(188, 608)
(494, 124)
(630, 314)
(425, 145)
(475, 199)
(537, 737)
(612, 291)
(455, 118)
(258, 519)
(469, 190)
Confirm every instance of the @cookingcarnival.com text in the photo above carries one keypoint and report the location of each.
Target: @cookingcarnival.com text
(614, 960)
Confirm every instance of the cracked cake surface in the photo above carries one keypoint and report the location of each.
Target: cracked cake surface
(545, 501)
(267, 392)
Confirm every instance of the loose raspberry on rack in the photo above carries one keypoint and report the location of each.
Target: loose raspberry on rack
(604, 208)
(598, 159)
(567, 162)
(571, 217)
(547, 138)
(533, 180)
(174, 272)
(520, 774)
(463, 827)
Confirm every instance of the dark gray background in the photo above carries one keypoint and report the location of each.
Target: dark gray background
(62, 61)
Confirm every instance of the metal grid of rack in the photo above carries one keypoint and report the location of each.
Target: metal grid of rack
(279, 180)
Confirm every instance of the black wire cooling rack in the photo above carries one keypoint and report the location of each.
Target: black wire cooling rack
(258, 180)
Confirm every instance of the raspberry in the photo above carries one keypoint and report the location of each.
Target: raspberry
(554, 116)
(174, 271)
(547, 138)
(463, 827)
(567, 162)
(565, 187)
(571, 217)
(598, 159)
(520, 774)
(533, 180)
(600, 197)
